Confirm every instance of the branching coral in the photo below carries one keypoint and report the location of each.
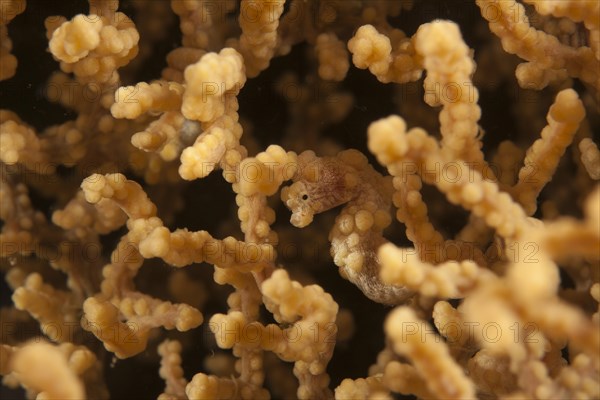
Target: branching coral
(119, 242)
(8, 62)
(547, 59)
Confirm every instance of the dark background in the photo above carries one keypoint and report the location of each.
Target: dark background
(137, 377)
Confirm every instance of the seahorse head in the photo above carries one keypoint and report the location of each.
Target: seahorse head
(320, 184)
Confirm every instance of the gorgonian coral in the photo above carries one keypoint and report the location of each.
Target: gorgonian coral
(443, 155)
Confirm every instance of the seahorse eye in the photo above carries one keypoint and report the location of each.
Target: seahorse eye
(305, 197)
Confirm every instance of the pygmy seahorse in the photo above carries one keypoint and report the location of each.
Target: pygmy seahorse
(322, 183)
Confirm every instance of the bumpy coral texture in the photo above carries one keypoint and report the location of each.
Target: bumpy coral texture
(305, 188)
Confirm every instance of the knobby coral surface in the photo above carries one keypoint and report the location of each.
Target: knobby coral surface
(253, 199)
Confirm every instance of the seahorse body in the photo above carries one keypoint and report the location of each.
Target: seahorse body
(322, 183)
